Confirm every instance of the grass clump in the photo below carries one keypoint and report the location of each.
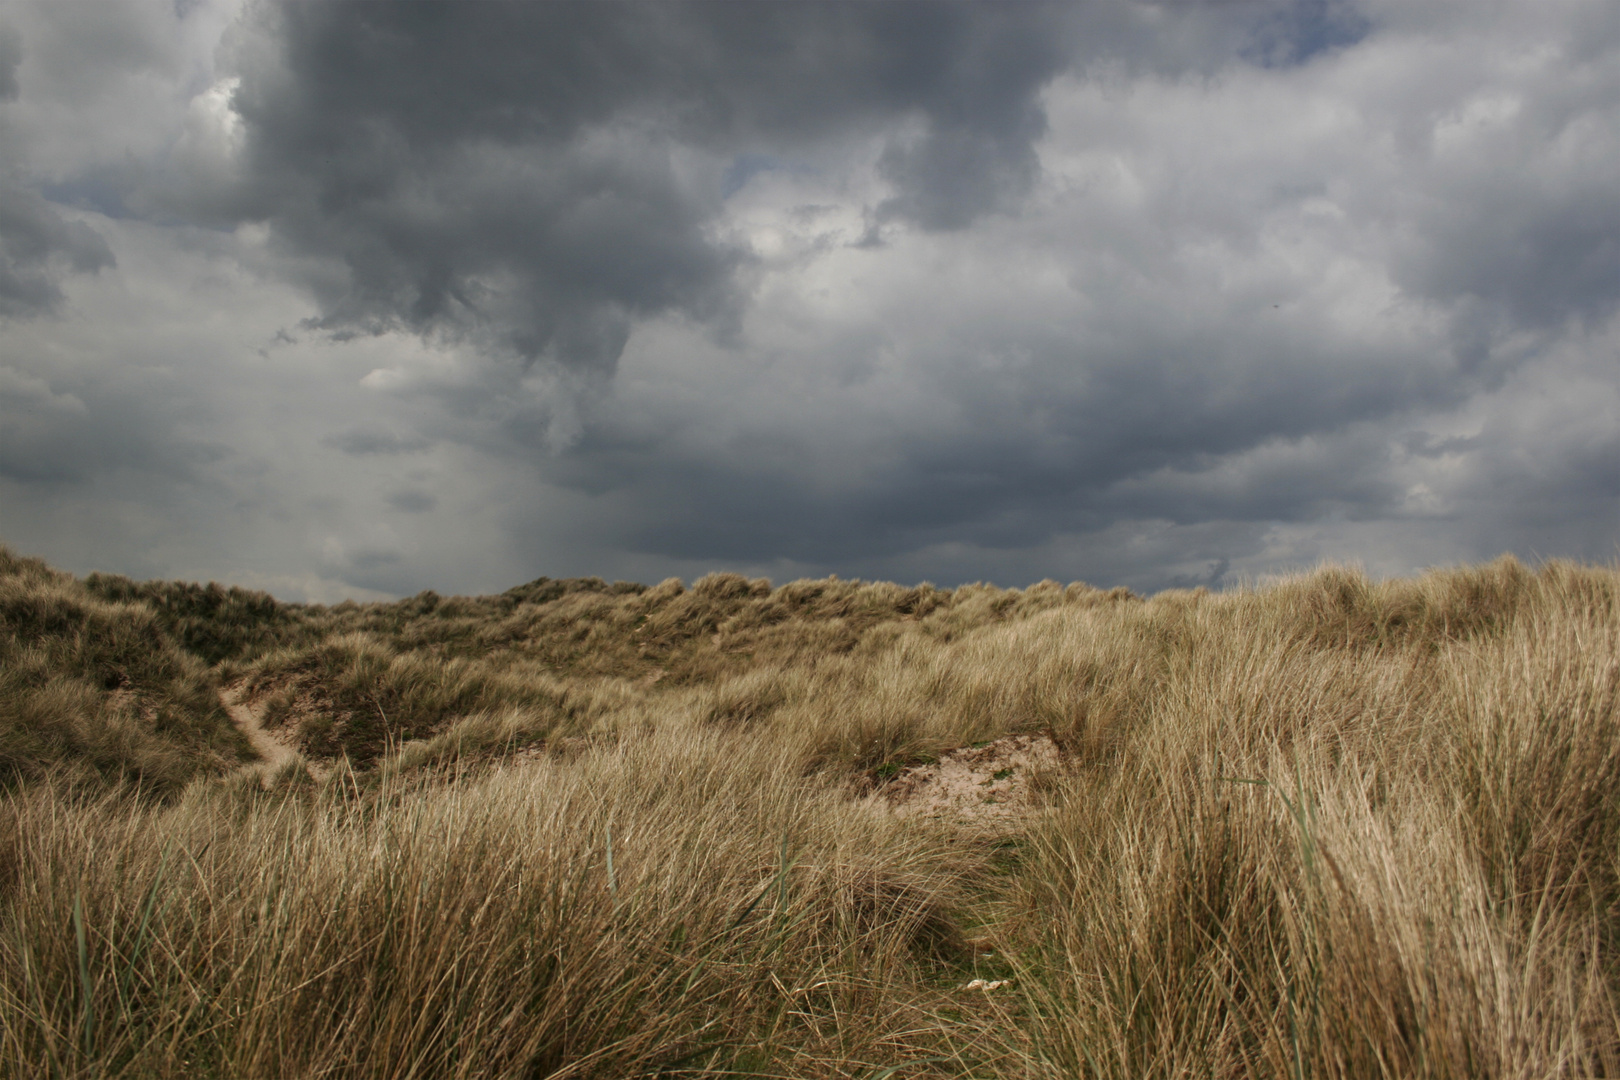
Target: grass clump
(96, 690)
(210, 621)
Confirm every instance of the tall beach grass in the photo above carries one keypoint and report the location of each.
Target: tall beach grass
(1326, 827)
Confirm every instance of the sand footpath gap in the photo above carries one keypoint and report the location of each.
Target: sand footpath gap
(274, 754)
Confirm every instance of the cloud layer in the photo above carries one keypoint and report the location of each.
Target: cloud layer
(367, 298)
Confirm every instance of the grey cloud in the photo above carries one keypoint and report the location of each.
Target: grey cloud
(78, 53)
(106, 189)
(1160, 293)
(1519, 220)
(983, 118)
(37, 247)
(365, 441)
(367, 559)
(10, 60)
(1144, 555)
(548, 205)
(1547, 483)
(1083, 433)
(54, 436)
(1345, 474)
(82, 88)
(1287, 33)
(412, 501)
(950, 178)
(1531, 262)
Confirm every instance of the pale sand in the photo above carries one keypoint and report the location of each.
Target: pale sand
(986, 785)
(274, 751)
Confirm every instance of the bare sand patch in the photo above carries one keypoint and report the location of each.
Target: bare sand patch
(989, 784)
(275, 748)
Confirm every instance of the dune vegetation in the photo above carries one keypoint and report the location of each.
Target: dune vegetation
(1321, 827)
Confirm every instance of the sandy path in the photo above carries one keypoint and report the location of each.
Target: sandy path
(273, 753)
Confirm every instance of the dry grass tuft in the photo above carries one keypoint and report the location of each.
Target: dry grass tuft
(93, 691)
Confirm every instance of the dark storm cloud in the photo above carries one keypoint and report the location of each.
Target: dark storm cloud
(509, 172)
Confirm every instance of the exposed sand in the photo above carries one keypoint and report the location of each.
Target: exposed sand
(274, 753)
(987, 785)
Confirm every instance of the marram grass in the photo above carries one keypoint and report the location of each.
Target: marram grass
(1322, 828)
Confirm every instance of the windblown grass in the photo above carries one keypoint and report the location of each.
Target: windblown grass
(92, 690)
(1353, 830)
(683, 904)
(1328, 827)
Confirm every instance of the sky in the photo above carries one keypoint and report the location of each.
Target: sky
(355, 300)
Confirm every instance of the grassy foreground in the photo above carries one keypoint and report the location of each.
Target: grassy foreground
(1324, 828)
